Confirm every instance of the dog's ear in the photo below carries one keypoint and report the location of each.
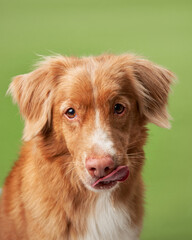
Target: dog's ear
(152, 84)
(34, 94)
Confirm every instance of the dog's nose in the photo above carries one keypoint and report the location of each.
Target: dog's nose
(99, 166)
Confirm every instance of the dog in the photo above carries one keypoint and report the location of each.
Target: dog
(78, 176)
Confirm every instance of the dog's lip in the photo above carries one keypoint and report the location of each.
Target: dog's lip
(120, 174)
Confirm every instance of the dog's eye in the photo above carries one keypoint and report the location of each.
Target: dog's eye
(119, 108)
(70, 113)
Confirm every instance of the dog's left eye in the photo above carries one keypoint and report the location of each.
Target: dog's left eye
(119, 108)
(70, 113)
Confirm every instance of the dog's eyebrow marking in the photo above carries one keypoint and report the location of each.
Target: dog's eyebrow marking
(63, 106)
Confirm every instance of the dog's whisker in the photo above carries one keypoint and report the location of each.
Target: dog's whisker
(69, 171)
(134, 153)
(66, 164)
(139, 154)
(137, 141)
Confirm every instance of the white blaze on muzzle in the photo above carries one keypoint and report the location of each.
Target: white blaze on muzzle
(101, 139)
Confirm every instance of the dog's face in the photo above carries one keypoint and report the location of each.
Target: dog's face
(97, 109)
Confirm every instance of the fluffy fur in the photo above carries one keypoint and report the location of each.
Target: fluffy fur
(49, 192)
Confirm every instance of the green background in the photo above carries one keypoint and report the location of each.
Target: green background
(159, 30)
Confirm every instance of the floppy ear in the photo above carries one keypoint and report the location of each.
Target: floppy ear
(152, 85)
(34, 94)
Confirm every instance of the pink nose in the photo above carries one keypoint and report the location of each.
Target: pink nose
(99, 166)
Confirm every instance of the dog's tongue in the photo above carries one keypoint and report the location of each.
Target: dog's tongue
(120, 174)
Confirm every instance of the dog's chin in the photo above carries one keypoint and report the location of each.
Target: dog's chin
(102, 187)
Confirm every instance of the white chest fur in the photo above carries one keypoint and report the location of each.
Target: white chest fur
(108, 223)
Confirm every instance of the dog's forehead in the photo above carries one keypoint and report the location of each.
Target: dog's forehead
(91, 82)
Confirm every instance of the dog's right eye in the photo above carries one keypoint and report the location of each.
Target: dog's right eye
(119, 109)
(70, 113)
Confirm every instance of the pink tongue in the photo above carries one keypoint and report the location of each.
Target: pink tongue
(120, 174)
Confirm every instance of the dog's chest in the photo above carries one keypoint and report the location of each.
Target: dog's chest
(107, 222)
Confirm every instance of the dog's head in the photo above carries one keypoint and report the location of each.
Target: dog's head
(96, 109)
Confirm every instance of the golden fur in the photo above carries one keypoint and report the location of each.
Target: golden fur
(48, 195)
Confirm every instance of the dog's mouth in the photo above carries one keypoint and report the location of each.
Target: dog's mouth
(120, 174)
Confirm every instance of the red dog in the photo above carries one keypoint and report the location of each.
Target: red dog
(79, 171)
